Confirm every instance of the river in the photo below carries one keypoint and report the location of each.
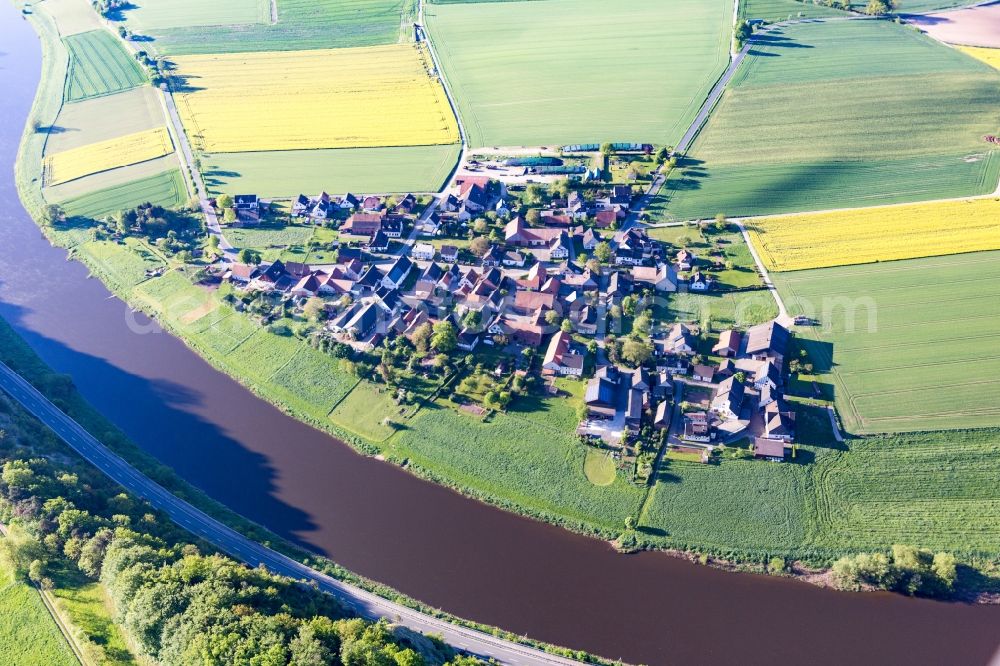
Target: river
(432, 544)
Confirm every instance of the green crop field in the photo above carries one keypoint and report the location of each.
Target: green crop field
(783, 10)
(164, 189)
(840, 114)
(745, 505)
(99, 65)
(553, 72)
(696, 192)
(151, 15)
(934, 490)
(28, 634)
(302, 24)
(909, 345)
(292, 172)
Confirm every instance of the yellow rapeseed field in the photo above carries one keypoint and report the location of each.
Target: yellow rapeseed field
(332, 98)
(990, 56)
(103, 155)
(819, 240)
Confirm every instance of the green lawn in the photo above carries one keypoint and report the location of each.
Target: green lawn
(839, 114)
(908, 345)
(292, 172)
(527, 461)
(743, 505)
(302, 24)
(556, 72)
(164, 189)
(99, 65)
(270, 236)
(599, 468)
(121, 267)
(28, 634)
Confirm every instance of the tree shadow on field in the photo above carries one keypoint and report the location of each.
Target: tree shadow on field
(54, 129)
(775, 43)
(218, 176)
(183, 83)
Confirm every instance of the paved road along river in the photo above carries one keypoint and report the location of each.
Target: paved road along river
(446, 550)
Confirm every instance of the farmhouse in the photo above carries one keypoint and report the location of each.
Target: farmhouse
(559, 358)
(247, 208)
(767, 342)
(662, 278)
(363, 224)
(423, 251)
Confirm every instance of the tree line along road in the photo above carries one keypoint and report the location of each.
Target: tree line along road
(355, 599)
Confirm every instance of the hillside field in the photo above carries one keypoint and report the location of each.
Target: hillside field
(105, 155)
(907, 345)
(99, 65)
(553, 72)
(302, 24)
(288, 173)
(842, 114)
(333, 98)
(819, 240)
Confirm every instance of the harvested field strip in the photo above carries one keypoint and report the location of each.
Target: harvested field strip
(107, 117)
(908, 345)
(334, 98)
(871, 235)
(99, 65)
(164, 189)
(974, 26)
(990, 56)
(72, 16)
(104, 155)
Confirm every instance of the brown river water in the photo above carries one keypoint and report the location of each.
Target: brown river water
(449, 551)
